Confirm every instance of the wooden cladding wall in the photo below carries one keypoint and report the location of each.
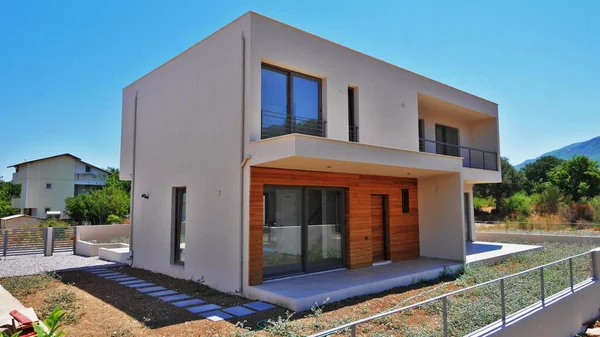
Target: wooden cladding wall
(403, 228)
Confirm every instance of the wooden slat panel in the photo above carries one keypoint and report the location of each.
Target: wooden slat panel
(403, 228)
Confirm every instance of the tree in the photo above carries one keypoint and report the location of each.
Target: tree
(537, 173)
(96, 206)
(113, 180)
(7, 192)
(512, 182)
(578, 177)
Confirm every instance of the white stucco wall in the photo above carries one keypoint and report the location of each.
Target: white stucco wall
(441, 225)
(387, 103)
(189, 123)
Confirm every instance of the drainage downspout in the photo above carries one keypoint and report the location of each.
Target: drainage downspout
(243, 159)
(132, 203)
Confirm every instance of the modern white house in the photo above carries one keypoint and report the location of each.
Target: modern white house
(264, 156)
(47, 182)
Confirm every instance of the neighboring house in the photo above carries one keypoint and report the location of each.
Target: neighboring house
(264, 151)
(47, 182)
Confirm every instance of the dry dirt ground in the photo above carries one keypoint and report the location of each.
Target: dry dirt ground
(99, 307)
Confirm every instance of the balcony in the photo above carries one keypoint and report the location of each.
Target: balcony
(274, 124)
(89, 179)
(472, 158)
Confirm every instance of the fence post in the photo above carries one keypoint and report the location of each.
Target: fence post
(571, 273)
(595, 255)
(48, 241)
(74, 240)
(542, 288)
(5, 246)
(502, 301)
(445, 315)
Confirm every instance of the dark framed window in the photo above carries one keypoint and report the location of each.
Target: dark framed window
(46, 210)
(290, 103)
(405, 201)
(88, 169)
(48, 186)
(352, 118)
(446, 138)
(179, 223)
(303, 229)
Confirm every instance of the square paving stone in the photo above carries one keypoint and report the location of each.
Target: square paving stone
(151, 289)
(115, 276)
(259, 306)
(203, 308)
(188, 303)
(126, 278)
(140, 285)
(216, 315)
(162, 293)
(132, 282)
(239, 311)
(174, 297)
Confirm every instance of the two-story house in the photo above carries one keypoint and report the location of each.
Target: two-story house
(47, 182)
(265, 152)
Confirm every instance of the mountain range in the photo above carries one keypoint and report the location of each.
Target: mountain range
(590, 148)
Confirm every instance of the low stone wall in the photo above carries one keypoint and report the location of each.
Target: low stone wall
(534, 238)
(87, 236)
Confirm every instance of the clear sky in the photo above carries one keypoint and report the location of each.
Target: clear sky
(63, 63)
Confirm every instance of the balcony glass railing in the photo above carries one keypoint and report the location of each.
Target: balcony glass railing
(472, 158)
(278, 124)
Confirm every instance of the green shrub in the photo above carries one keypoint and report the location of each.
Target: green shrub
(113, 219)
(50, 222)
(595, 203)
(479, 203)
(548, 202)
(518, 205)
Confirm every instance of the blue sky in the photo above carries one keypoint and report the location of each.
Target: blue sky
(63, 63)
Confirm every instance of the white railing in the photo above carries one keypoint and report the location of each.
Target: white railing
(594, 256)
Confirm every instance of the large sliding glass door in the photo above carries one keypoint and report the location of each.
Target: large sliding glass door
(303, 230)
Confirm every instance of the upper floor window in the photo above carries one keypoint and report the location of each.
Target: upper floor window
(88, 169)
(290, 103)
(446, 140)
(48, 186)
(352, 117)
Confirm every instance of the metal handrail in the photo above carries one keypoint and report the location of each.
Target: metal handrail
(352, 325)
(315, 127)
(492, 167)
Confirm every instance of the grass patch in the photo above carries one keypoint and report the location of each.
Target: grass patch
(27, 285)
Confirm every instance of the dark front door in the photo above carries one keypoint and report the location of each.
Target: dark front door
(378, 236)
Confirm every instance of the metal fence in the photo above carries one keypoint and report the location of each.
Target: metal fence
(27, 241)
(278, 124)
(500, 298)
(473, 158)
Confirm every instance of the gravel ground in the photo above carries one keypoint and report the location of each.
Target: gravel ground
(35, 264)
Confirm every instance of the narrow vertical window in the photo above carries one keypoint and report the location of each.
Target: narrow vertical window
(421, 135)
(353, 128)
(405, 201)
(88, 169)
(179, 216)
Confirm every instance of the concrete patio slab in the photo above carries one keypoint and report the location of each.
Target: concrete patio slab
(203, 308)
(302, 292)
(163, 293)
(188, 303)
(239, 311)
(173, 298)
(140, 285)
(259, 306)
(151, 289)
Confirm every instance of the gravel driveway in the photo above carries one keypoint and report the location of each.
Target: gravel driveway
(36, 264)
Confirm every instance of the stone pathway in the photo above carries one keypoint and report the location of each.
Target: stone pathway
(194, 305)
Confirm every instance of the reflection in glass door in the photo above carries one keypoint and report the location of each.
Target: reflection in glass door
(325, 214)
(282, 237)
(303, 230)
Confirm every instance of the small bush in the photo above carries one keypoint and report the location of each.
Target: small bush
(481, 203)
(578, 212)
(595, 203)
(53, 223)
(114, 219)
(548, 202)
(519, 205)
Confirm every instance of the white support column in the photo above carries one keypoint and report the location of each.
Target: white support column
(595, 255)
(49, 241)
